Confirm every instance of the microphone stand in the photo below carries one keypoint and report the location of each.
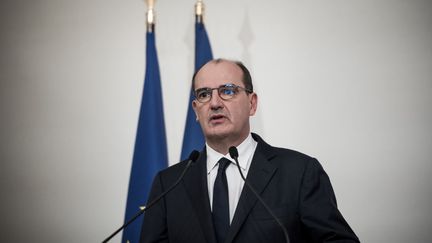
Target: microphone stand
(234, 154)
(192, 158)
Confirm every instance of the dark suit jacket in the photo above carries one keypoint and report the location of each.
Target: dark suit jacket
(294, 185)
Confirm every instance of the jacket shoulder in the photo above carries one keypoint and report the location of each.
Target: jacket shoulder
(173, 170)
(272, 152)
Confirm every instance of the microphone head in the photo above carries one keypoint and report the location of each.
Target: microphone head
(233, 152)
(193, 156)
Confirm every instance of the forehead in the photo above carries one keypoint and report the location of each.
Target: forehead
(214, 74)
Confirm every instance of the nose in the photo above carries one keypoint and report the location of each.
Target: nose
(215, 100)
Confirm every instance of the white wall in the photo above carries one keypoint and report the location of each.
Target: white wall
(349, 82)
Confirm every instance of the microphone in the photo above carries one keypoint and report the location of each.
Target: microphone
(234, 155)
(191, 160)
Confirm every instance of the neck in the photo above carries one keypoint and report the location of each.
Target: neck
(222, 144)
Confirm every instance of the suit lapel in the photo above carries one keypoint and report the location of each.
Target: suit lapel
(260, 173)
(196, 185)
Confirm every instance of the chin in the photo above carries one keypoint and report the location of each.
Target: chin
(219, 134)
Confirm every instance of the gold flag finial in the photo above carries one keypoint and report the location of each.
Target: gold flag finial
(150, 15)
(199, 11)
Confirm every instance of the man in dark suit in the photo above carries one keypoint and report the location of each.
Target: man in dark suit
(212, 204)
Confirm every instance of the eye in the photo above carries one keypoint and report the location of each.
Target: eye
(202, 94)
(227, 91)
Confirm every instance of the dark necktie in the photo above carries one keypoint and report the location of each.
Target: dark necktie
(221, 218)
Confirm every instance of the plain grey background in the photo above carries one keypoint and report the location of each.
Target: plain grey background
(348, 82)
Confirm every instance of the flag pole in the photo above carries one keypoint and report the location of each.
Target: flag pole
(150, 152)
(193, 138)
(199, 11)
(150, 15)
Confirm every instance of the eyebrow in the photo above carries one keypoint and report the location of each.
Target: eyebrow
(222, 85)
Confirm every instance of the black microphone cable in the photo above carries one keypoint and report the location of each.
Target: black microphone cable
(234, 154)
(192, 158)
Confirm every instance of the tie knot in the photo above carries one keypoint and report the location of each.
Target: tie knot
(223, 163)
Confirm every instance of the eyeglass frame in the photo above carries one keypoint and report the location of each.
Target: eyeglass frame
(236, 90)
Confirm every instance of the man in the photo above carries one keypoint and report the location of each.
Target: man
(212, 205)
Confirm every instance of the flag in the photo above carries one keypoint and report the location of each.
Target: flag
(193, 137)
(150, 153)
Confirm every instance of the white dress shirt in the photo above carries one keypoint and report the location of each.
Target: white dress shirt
(246, 151)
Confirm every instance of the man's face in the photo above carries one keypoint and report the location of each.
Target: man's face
(224, 119)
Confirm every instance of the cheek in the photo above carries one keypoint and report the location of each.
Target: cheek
(201, 115)
(241, 114)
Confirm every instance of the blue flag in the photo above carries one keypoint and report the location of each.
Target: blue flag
(193, 137)
(150, 154)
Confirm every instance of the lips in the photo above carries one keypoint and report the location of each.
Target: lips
(217, 118)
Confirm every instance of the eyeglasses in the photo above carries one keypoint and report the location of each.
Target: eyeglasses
(225, 92)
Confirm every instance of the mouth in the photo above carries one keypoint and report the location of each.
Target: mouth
(215, 119)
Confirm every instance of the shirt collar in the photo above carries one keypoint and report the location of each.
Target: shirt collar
(245, 150)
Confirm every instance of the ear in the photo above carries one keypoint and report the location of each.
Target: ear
(253, 99)
(194, 106)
